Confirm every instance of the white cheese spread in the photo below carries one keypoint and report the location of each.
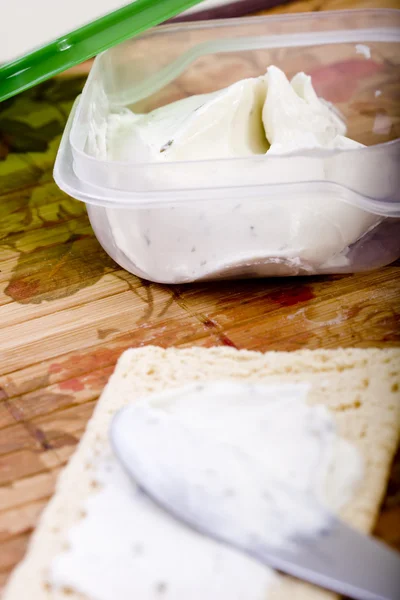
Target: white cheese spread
(299, 230)
(127, 547)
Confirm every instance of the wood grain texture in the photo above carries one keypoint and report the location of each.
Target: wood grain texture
(67, 311)
(317, 5)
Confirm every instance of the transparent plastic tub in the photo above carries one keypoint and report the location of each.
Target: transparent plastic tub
(311, 212)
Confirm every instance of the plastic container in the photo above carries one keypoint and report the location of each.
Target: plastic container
(310, 212)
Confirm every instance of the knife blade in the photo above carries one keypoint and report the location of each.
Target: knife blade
(201, 489)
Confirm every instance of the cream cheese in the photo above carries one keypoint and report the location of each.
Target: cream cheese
(295, 232)
(217, 125)
(127, 547)
(261, 115)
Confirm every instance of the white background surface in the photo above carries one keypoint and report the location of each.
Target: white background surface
(29, 24)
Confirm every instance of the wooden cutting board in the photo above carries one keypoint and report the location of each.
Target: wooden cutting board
(67, 311)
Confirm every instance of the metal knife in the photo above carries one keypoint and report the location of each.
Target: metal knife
(158, 454)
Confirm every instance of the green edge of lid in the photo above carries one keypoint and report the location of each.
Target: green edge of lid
(84, 43)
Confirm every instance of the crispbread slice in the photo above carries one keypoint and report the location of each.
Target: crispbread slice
(360, 387)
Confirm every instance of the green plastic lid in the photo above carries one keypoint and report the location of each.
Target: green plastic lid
(75, 47)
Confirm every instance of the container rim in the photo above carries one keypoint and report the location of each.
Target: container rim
(67, 180)
(315, 15)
